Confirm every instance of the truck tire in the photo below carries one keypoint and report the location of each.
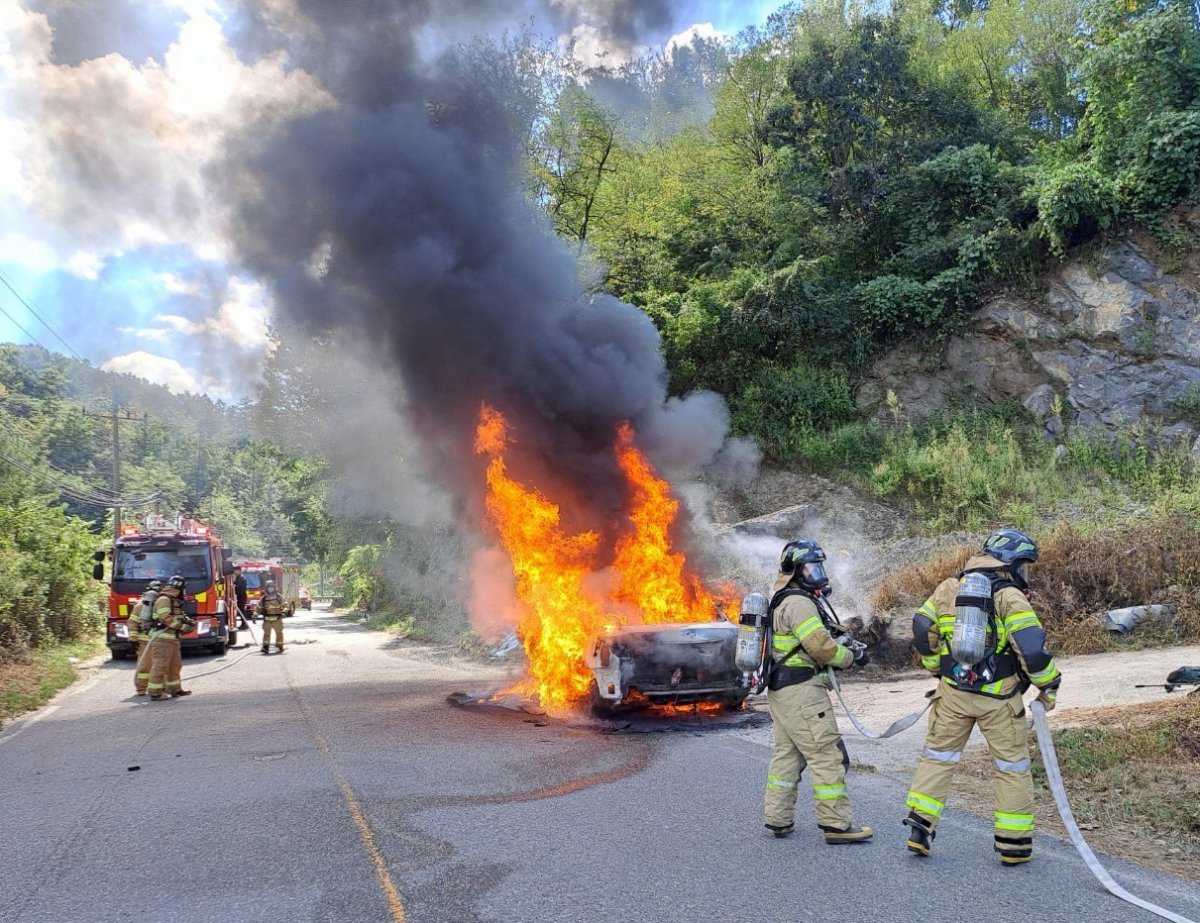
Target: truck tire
(120, 655)
(218, 649)
(233, 639)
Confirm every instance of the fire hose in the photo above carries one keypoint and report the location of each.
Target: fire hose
(900, 724)
(1054, 777)
(250, 628)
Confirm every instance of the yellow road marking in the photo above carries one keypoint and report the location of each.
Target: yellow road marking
(395, 905)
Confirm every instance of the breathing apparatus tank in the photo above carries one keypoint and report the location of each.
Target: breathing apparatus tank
(972, 608)
(752, 637)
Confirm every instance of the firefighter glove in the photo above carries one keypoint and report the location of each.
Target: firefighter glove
(861, 657)
(1048, 697)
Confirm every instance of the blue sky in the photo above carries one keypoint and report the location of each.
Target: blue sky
(106, 225)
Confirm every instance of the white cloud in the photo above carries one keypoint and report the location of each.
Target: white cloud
(180, 324)
(240, 320)
(158, 369)
(30, 252)
(702, 30)
(176, 285)
(85, 265)
(155, 334)
(108, 155)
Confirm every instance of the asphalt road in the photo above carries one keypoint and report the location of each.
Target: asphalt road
(335, 783)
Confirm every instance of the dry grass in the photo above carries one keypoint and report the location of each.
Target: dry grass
(30, 682)
(1132, 775)
(1081, 575)
(914, 582)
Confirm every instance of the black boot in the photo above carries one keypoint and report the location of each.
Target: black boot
(835, 836)
(780, 832)
(920, 837)
(265, 650)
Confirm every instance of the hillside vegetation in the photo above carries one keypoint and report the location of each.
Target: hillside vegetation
(865, 175)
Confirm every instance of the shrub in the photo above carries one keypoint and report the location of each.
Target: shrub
(782, 406)
(1074, 202)
(1167, 167)
(365, 586)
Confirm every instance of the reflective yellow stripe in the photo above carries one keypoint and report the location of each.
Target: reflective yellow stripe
(1045, 676)
(1019, 822)
(807, 627)
(928, 609)
(992, 688)
(780, 783)
(122, 610)
(919, 802)
(931, 662)
(1019, 620)
(828, 792)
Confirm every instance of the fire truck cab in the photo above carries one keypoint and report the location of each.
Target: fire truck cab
(286, 575)
(157, 549)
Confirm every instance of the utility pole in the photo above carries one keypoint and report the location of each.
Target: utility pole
(116, 415)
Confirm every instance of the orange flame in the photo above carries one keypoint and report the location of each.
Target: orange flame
(564, 601)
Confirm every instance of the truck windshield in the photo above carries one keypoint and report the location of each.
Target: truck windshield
(189, 562)
(254, 580)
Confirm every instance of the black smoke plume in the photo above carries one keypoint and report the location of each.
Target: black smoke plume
(399, 212)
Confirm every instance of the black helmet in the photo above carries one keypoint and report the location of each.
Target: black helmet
(1014, 549)
(155, 585)
(176, 583)
(805, 559)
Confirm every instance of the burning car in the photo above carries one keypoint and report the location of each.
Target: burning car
(667, 664)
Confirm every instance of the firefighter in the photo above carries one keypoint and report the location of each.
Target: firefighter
(986, 693)
(806, 732)
(270, 607)
(240, 594)
(170, 622)
(140, 620)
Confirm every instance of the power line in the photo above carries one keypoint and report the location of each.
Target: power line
(8, 284)
(79, 494)
(24, 331)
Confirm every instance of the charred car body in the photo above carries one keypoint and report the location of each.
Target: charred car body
(668, 664)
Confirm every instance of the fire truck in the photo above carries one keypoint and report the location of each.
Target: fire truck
(286, 575)
(156, 549)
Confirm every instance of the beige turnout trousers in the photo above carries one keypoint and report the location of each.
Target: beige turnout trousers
(1002, 722)
(272, 626)
(165, 665)
(806, 734)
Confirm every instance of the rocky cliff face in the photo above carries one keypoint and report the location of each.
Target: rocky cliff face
(1113, 342)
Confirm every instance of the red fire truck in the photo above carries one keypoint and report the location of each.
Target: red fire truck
(157, 549)
(286, 575)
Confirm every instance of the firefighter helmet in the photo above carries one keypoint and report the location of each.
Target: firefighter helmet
(1014, 549)
(806, 561)
(270, 584)
(155, 585)
(176, 583)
